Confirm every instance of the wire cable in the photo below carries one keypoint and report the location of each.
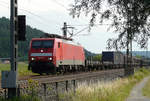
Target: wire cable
(88, 24)
(60, 4)
(4, 2)
(31, 13)
(39, 18)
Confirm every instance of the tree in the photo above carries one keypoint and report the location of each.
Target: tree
(22, 46)
(130, 18)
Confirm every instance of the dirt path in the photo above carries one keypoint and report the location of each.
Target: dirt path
(136, 93)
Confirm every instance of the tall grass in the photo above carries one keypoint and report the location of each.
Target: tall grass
(146, 89)
(23, 69)
(117, 90)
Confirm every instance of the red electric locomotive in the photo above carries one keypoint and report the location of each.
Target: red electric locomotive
(48, 55)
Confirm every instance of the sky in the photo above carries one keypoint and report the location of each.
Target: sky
(49, 16)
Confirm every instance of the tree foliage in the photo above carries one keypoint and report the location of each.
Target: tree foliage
(97, 57)
(129, 18)
(5, 39)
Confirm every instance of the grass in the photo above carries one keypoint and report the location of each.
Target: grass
(146, 89)
(22, 68)
(4, 67)
(117, 90)
(22, 98)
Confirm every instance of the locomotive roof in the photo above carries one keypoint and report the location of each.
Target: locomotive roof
(63, 40)
(47, 36)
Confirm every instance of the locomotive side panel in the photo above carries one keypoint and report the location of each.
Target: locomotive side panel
(72, 54)
(58, 52)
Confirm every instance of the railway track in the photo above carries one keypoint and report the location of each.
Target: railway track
(76, 76)
(67, 76)
(61, 79)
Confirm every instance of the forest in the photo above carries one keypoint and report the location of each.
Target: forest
(22, 45)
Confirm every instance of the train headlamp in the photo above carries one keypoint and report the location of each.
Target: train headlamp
(32, 59)
(49, 58)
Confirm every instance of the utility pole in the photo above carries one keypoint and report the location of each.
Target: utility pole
(129, 69)
(13, 42)
(13, 35)
(127, 57)
(131, 66)
(65, 30)
(131, 38)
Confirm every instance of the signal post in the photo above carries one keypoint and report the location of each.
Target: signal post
(12, 75)
(9, 78)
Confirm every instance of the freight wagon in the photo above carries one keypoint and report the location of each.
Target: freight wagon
(113, 57)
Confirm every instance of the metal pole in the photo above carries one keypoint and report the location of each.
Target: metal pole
(74, 86)
(13, 35)
(127, 58)
(65, 30)
(131, 66)
(57, 97)
(131, 37)
(67, 86)
(44, 91)
(13, 42)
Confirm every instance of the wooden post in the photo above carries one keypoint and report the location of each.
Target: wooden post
(67, 86)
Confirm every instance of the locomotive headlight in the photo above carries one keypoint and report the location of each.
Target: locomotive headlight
(49, 58)
(32, 59)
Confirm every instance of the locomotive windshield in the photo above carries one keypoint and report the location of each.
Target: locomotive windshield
(42, 44)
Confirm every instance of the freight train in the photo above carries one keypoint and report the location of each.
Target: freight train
(118, 58)
(55, 53)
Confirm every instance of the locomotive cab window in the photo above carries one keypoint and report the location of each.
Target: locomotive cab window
(42, 44)
(58, 44)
